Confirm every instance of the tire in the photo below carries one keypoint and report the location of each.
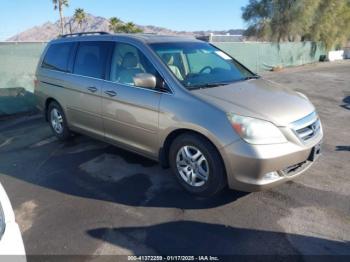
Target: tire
(210, 175)
(55, 115)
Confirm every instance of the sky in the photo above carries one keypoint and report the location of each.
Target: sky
(189, 15)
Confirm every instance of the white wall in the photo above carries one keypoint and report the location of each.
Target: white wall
(336, 55)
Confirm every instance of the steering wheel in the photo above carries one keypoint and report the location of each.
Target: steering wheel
(206, 68)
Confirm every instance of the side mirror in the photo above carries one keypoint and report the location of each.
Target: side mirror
(145, 80)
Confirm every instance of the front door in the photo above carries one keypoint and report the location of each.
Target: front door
(130, 112)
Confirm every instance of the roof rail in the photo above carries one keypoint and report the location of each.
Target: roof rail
(84, 33)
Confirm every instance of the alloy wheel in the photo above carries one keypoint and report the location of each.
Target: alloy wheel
(56, 121)
(192, 166)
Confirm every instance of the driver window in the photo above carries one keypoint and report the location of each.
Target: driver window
(127, 62)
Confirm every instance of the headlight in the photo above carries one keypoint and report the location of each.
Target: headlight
(256, 131)
(2, 222)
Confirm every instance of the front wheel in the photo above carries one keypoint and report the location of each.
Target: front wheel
(197, 165)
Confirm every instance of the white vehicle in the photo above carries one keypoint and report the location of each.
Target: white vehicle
(11, 243)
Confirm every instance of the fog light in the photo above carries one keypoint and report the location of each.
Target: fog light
(271, 176)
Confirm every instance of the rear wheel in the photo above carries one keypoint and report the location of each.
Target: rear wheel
(57, 121)
(197, 165)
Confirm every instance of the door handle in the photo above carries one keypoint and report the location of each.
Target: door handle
(110, 93)
(92, 89)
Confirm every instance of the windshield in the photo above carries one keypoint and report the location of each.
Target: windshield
(200, 65)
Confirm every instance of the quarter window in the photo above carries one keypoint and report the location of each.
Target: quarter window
(57, 56)
(91, 59)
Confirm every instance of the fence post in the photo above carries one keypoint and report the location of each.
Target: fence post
(258, 59)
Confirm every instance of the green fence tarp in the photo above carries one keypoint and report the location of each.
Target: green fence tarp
(260, 57)
(18, 62)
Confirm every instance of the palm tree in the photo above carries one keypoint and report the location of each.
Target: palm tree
(79, 16)
(131, 28)
(115, 24)
(60, 4)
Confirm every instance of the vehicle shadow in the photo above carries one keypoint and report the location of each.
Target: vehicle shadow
(342, 148)
(346, 102)
(88, 168)
(195, 238)
(131, 179)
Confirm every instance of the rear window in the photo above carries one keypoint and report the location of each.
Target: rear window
(57, 56)
(91, 59)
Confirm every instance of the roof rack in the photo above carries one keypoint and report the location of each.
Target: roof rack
(84, 33)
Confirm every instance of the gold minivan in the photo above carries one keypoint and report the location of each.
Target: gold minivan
(182, 102)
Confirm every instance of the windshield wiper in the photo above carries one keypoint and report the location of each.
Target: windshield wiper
(208, 85)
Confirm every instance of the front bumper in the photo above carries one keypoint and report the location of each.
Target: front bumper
(11, 243)
(258, 167)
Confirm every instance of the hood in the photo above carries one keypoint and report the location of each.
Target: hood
(260, 99)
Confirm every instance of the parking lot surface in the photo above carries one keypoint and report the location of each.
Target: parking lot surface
(87, 197)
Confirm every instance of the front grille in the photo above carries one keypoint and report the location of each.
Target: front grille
(309, 131)
(307, 127)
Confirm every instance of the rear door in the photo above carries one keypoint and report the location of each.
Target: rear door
(84, 102)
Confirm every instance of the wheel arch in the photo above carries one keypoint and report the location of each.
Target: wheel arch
(47, 103)
(170, 138)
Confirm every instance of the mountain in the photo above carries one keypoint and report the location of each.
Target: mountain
(50, 30)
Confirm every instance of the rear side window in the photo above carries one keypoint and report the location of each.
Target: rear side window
(57, 56)
(91, 59)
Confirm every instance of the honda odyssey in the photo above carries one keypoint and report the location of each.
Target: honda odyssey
(182, 102)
